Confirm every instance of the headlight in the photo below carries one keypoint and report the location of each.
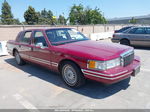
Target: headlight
(103, 65)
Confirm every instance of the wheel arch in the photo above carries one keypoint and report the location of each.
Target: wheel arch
(126, 39)
(67, 60)
(14, 50)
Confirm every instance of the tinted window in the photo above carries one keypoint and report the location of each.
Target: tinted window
(26, 37)
(140, 31)
(39, 38)
(123, 29)
(147, 30)
(132, 31)
(18, 38)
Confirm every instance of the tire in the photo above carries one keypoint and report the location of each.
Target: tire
(72, 75)
(125, 42)
(18, 59)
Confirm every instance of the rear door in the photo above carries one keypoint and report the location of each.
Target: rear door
(24, 46)
(40, 52)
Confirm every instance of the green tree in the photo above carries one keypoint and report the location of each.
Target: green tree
(6, 16)
(44, 13)
(95, 17)
(133, 21)
(76, 14)
(61, 20)
(80, 15)
(49, 14)
(16, 21)
(45, 17)
(31, 16)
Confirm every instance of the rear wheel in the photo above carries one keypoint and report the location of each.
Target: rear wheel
(72, 75)
(18, 58)
(125, 42)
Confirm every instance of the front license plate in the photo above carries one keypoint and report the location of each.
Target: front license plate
(136, 71)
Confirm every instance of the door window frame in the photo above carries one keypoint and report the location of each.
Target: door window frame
(33, 37)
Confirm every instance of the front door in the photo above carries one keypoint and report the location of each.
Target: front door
(40, 53)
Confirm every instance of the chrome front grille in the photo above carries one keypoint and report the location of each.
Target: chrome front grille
(127, 58)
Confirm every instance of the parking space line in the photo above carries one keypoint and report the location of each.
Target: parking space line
(25, 103)
(147, 70)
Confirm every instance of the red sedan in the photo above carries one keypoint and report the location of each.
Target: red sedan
(74, 56)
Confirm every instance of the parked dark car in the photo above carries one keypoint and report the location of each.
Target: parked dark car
(136, 36)
(123, 29)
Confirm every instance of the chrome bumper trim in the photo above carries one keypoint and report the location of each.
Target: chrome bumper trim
(84, 71)
(107, 77)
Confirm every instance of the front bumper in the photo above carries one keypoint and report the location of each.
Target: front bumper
(113, 75)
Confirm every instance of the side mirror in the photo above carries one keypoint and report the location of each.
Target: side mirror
(40, 44)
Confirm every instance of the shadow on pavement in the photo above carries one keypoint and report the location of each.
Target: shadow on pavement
(91, 89)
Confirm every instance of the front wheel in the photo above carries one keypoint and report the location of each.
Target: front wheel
(18, 58)
(72, 75)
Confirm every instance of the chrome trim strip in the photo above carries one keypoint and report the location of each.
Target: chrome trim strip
(127, 53)
(54, 64)
(83, 70)
(107, 77)
(40, 60)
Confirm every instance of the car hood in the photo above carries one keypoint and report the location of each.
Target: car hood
(93, 49)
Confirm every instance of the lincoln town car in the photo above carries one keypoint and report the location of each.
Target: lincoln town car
(74, 56)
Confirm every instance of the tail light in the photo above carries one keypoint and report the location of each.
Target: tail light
(113, 35)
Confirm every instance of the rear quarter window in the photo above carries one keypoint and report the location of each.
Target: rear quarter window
(18, 37)
(26, 37)
(132, 31)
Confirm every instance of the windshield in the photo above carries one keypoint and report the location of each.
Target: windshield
(63, 36)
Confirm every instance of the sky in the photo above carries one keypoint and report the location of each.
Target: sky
(110, 8)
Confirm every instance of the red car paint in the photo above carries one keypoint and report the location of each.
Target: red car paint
(78, 52)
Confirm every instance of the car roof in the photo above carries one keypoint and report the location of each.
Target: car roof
(44, 29)
(142, 27)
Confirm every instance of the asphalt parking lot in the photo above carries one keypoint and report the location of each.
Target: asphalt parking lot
(33, 87)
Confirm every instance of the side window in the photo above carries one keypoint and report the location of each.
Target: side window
(39, 38)
(26, 37)
(140, 31)
(132, 31)
(147, 30)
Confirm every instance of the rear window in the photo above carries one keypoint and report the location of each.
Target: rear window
(26, 37)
